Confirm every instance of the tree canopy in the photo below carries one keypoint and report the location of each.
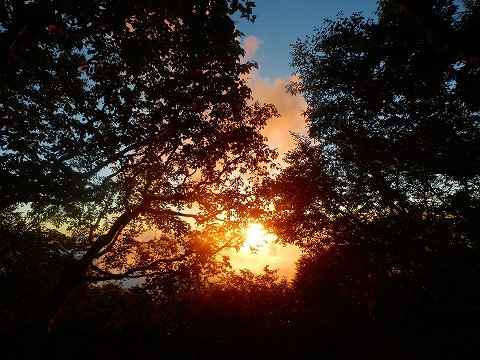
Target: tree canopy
(123, 118)
(89, 89)
(384, 192)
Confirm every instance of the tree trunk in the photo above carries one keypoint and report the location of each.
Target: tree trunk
(76, 273)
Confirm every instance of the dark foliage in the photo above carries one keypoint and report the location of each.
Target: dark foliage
(128, 118)
(384, 195)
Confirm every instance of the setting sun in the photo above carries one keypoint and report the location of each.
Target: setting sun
(260, 249)
(256, 237)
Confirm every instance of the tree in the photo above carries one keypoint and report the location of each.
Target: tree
(28, 253)
(123, 118)
(85, 86)
(239, 315)
(388, 182)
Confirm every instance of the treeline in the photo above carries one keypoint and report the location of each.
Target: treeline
(333, 308)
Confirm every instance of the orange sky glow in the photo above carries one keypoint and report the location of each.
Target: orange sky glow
(277, 131)
(260, 250)
(271, 91)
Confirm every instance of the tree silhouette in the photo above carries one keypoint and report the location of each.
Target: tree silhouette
(123, 118)
(384, 194)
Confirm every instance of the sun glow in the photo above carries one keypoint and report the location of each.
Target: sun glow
(256, 237)
(259, 249)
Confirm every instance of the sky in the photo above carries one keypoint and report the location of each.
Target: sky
(267, 41)
(280, 22)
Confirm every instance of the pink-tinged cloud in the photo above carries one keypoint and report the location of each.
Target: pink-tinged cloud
(250, 45)
(265, 90)
(289, 107)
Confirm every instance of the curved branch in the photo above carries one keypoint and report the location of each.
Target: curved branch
(106, 241)
(133, 273)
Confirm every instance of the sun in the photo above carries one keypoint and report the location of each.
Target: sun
(256, 237)
(260, 249)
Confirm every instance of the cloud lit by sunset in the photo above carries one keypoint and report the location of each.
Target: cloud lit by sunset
(250, 45)
(273, 91)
